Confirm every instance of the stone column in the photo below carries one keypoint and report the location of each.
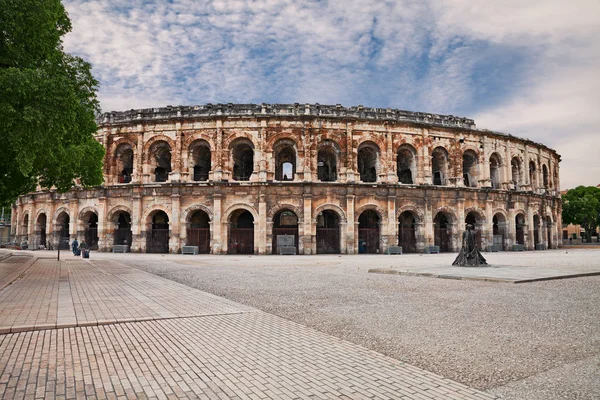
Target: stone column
(218, 164)
(262, 162)
(350, 171)
(506, 184)
(138, 166)
(102, 223)
(174, 239)
(392, 175)
(429, 234)
(530, 240)
(425, 175)
(351, 231)
(308, 239)
(489, 226)
(74, 217)
(484, 166)
(392, 222)
(262, 225)
(219, 247)
(138, 227)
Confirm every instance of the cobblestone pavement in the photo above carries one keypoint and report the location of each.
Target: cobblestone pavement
(135, 335)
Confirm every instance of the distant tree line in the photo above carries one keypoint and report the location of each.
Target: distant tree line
(581, 206)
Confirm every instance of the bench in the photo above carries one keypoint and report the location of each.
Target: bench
(394, 250)
(540, 246)
(287, 250)
(121, 248)
(190, 250)
(518, 247)
(494, 248)
(432, 249)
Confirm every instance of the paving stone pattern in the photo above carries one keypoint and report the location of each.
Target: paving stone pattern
(142, 336)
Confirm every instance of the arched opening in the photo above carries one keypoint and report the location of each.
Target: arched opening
(241, 233)
(160, 160)
(198, 231)
(536, 231)
(407, 232)
(327, 165)
(157, 239)
(285, 160)
(515, 165)
(63, 222)
(533, 175)
(439, 166)
(520, 229)
(499, 231)
(40, 230)
(545, 176)
(469, 165)
(90, 230)
(495, 170)
(25, 227)
(368, 160)
(122, 234)
(124, 163)
(406, 164)
(549, 231)
(442, 230)
(369, 225)
(328, 233)
(285, 230)
(475, 219)
(200, 160)
(243, 160)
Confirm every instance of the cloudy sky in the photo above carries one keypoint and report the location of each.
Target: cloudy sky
(526, 67)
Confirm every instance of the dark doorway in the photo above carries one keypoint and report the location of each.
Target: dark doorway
(499, 230)
(473, 219)
(285, 222)
(520, 229)
(368, 232)
(536, 230)
(241, 233)
(549, 231)
(122, 234)
(407, 237)
(63, 221)
(328, 233)
(442, 232)
(41, 230)
(198, 233)
(91, 231)
(157, 240)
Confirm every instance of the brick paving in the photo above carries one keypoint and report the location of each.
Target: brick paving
(140, 336)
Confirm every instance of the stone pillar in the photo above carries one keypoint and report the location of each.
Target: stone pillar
(174, 225)
(217, 167)
(350, 171)
(351, 232)
(421, 235)
(392, 222)
(138, 227)
(261, 237)
(390, 165)
(424, 174)
(74, 216)
(484, 166)
(262, 162)
(308, 239)
(103, 245)
(489, 226)
(138, 169)
(530, 240)
(344, 232)
(219, 246)
(429, 235)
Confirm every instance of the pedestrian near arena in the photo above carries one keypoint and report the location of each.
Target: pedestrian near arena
(75, 247)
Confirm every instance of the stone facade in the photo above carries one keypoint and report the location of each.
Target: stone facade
(231, 177)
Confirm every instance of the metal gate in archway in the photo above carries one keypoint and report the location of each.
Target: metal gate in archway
(284, 231)
(443, 239)
(328, 240)
(407, 239)
(368, 240)
(157, 241)
(199, 237)
(241, 241)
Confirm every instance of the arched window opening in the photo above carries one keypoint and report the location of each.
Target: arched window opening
(442, 230)
(40, 230)
(520, 229)
(545, 176)
(495, 169)
(198, 233)
(368, 232)
(368, 160)
(122, 234)
(407, 237)
(515, 164)
(406, 165)
(326, 165)
(499, 231)
(124, 156)
(160, 161)
(439, 166)
(328, 233)
(474, 219)
(285, 230)
(241, 233)
(200, 155)
(285, 162)
(243, 161)
(469, 165)
(533, 175)
(158, 237)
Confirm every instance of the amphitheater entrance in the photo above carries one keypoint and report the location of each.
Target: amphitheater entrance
(241, 233)
(285, 222)
(63, 222)
(328, 233)
(369, 225)
(157, 239)
(476, 220)
(90, 233)
(442, 230)
(40, 230)
(122, 234)
(407, 233)
(549, 231)
(198, 231)
(520, 229)
(536, 231)
(499, 231)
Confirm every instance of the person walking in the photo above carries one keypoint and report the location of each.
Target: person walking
(75, 247)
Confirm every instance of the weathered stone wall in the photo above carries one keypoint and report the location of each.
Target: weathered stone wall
(303, 131)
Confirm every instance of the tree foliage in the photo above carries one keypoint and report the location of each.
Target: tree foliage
(47, 103)
(581, 206)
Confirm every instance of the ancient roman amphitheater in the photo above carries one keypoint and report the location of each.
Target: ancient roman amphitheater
(232, 178)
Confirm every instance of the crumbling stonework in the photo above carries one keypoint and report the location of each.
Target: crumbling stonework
(306, 170)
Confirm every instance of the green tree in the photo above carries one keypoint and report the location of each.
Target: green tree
(581, 206)
(47, 103)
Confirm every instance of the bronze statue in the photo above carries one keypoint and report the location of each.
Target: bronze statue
(469, 255)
